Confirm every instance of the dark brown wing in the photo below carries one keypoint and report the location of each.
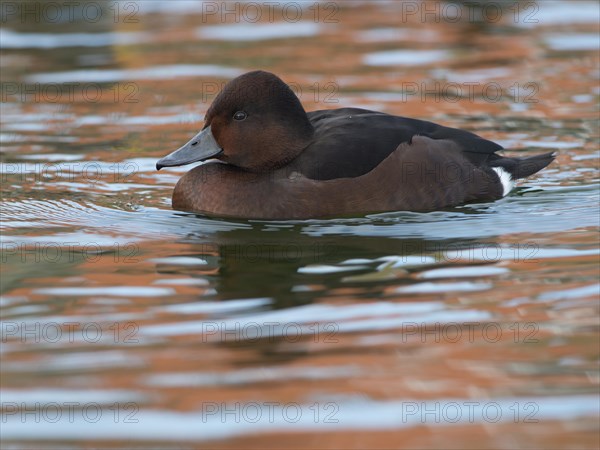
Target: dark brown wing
(350, 142)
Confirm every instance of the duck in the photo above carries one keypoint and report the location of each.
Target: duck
(264, 157)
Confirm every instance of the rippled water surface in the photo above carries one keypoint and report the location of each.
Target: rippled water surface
(126, 324)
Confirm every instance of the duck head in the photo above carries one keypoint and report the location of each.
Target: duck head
(255, 123)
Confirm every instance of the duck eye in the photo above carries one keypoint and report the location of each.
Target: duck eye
(240, 115)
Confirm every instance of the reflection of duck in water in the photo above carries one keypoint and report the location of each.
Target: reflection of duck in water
(278, 162)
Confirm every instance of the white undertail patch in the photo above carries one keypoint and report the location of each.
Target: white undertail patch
(506, 179)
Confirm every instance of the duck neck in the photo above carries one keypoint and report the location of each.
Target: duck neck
(300, 142)
(285, 144)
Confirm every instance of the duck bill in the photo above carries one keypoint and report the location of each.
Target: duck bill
(200, 148)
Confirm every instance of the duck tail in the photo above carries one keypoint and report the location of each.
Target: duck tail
(524, 167)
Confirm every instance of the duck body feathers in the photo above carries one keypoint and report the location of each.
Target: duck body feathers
(275, 161)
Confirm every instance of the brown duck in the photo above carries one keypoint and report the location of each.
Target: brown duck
(269, 159)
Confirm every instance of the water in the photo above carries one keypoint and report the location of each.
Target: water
(125, 323)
